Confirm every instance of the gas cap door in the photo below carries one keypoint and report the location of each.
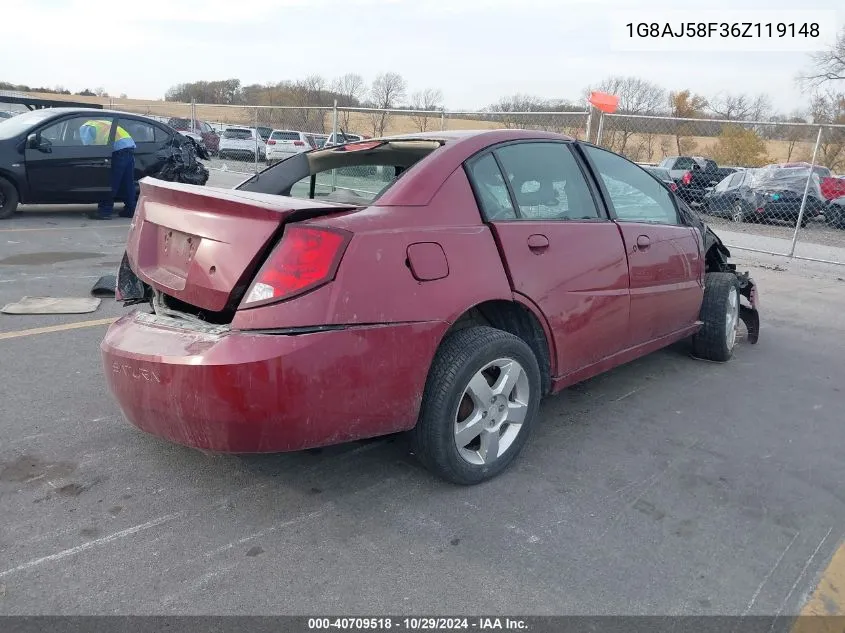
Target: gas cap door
(427, 261)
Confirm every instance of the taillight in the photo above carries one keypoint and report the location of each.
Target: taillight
(304, 259)
(687, 179)
(271, 142)
(299, 143)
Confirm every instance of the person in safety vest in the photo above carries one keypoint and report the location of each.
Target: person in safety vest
(98, 132)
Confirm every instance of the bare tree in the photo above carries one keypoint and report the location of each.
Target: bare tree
(827, 65)
(387, 92)
(740, 107)
(636, 96)
(507, 106)
(350, 90)
(310, 91)
(427, 101)
(829, 108)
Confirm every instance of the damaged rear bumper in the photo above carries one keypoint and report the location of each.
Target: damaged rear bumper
(247, 392)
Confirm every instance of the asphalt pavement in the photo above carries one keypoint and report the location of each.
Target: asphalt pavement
(667, 486)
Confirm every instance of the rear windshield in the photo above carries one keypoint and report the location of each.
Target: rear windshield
(660, 173)
(179, 122)
(347, 174)
(237, 134)
(284, 136)
(682, 162)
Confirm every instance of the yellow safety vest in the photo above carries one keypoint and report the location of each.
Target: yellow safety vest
(103, 128)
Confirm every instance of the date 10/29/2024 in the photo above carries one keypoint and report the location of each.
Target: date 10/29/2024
(417, 624)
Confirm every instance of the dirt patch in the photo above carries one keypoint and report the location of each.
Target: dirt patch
(38, 259)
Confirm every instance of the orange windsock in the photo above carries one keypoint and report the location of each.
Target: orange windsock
(604, 102)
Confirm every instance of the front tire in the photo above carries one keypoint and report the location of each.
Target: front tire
(720, 314)
(738, 212)
(8, 199)
(480, 402)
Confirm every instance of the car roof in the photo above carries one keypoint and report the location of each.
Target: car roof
(493, 135)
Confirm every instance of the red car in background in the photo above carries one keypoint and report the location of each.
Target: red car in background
(833, 187)
(445, 294)
(210, 138)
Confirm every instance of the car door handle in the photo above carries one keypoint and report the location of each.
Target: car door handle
(643, 242)
(538, 243)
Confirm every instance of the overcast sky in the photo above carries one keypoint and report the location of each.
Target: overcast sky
(474, 51)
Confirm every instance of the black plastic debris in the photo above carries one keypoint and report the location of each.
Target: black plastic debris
(179, 162)
(105, 286)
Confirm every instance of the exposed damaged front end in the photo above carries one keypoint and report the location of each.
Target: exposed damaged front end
(717, 259)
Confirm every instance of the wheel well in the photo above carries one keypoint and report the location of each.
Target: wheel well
(8, 178)
(516, 319)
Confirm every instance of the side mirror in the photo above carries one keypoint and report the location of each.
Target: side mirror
(33, 141)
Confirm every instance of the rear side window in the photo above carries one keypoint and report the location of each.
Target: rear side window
(736, 179)
(547, 182)
(140, 131)
(490, 189)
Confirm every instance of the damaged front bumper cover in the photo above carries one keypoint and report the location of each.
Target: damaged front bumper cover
(749, 314)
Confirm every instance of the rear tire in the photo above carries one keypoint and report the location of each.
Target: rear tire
(720, 313)
(480, 401)
(8, 199)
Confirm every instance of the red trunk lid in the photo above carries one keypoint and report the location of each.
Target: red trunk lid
(202, 245)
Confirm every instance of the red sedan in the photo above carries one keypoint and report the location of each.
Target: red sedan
(436, 283)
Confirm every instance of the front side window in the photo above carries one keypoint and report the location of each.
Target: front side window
(78, 131)
(547, 182)
(635, 196)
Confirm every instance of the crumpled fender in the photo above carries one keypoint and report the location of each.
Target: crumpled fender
(749, 314)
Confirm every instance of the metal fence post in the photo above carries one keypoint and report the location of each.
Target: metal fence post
(193, 115)
(442, 120)
(589, 123)
(256, 140)
(334, 140)
(806, 192)
(601, 129)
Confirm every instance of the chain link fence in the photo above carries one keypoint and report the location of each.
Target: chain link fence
(770, 187)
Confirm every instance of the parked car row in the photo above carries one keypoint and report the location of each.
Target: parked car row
(775, 193)
(694, 176)
(275, 145)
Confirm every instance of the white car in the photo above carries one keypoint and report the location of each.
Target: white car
(340, 139)
(240, 143)
(283, 144)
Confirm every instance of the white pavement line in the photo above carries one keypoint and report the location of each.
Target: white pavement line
(800, 577)
(81, 548)
(769, 575)
(272, 528)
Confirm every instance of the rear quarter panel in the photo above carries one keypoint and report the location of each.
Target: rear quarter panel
(375, 284)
